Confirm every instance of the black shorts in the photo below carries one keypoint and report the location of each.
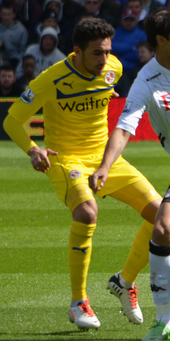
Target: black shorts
(167, 196)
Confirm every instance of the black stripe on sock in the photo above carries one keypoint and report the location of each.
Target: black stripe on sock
(159, 250)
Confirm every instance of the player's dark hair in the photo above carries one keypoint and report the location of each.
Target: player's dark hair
(158, 22)
(91, 29)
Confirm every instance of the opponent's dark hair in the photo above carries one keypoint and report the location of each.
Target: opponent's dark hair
(91, 29)
(158, 22)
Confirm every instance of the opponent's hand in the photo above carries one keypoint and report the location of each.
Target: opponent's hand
(100, 174)
(39, 158)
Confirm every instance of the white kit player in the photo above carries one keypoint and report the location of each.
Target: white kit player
(150, 93)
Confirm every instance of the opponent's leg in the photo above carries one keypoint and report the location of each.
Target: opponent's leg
(140, 196)
(160, 272)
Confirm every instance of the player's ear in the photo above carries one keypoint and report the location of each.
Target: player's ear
(160, 39)
(77, 50)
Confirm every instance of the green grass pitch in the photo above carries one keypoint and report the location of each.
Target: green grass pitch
(34, 228)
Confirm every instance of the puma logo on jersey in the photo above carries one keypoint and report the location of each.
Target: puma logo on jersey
(153, 77)
(70, 85)
(79, 249)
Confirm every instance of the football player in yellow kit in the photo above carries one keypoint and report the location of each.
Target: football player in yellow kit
(75, 94)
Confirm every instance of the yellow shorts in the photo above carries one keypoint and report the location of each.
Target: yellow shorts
(70, 179)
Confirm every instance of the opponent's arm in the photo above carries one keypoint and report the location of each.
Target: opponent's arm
(115, 146)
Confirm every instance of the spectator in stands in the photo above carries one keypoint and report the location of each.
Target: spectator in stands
(114, 9)
(148, 6)
(27, 11)
(9, 86)
(134, 5)
(56, 6)
(45, 53)
(29, 66)
(72, 9)
(145, 52)
(48, 18)
(125, 46)
(93, 7)
(80, 2)
(13, 35)
(67, 12)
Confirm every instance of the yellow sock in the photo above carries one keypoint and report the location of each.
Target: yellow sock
(139, 255)
(80, 247)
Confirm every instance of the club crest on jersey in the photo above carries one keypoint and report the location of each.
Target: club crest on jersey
(28, 96)
(110, 77)
(74, 174)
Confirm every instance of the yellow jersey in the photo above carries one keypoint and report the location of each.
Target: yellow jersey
(74, 106)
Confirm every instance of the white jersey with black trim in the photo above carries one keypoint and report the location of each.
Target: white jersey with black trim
(150, 93)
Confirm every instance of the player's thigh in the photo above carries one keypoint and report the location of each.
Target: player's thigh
(142, 196)
(120, 175)
(70, 179)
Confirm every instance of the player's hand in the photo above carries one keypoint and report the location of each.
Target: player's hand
(102, 175)
(115, 94)
(39, 158)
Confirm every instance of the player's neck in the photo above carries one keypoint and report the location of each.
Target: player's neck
(79, 66)
(163, 60)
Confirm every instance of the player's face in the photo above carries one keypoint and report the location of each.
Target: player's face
(94, 57)
(7, 79)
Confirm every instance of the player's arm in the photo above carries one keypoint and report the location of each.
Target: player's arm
(115, 146)
(26, 106)
(39, 157)
(136, 104)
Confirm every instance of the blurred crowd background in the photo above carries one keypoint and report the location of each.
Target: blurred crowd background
(35, 34)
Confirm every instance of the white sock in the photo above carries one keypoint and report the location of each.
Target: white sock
(75, 303)
(125, 284)
(168, 324)
(160, 285)
(163, 318)
(163, 312)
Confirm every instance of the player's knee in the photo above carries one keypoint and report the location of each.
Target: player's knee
(161, 232)
(149, 212)
(86, 212)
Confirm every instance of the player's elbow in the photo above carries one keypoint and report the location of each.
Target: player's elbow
(5, 123)
(8, 124)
